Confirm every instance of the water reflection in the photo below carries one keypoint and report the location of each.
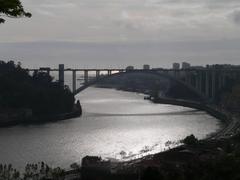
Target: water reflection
(114, 124)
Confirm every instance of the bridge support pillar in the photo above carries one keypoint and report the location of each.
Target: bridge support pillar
(61, 75)
(207, 84)
(224, 79)
(200, 81)
(197, 81)
(221, 80)
(97, 74)
(188, 79)
(74, 81)
(177, 74)
(213, 85)
(220, 84)
(85, 76)
(194, 80)
(109, 72)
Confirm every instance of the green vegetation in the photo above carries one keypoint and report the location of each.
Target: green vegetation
(12, 9)
(38, 92)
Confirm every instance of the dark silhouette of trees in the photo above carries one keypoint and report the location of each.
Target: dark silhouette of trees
(12, 9)
(190, 140)
(38, 92)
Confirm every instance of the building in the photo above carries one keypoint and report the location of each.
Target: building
(223, 66)
(176, 66)
(146, 67)
(186, 65)
(197, 67)
(129, 68)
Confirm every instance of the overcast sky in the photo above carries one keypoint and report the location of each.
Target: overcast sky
(89, 33)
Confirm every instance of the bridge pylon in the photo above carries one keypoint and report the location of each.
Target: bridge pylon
(85, 76)
(74, 87)
(97, 74)
(61, 75)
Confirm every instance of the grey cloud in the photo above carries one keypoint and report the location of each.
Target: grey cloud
(154, 31)
(236, 16)
(131, 20)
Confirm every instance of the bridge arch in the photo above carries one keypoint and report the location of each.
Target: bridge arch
(156, 73)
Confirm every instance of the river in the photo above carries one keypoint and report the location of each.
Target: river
(114, 124)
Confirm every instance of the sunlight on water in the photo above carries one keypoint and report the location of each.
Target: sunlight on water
(114, 124)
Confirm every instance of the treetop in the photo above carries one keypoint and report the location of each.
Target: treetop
(12, 9)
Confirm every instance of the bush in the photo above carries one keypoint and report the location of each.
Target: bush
(190, 140)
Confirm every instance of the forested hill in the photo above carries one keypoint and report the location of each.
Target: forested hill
(37, 92)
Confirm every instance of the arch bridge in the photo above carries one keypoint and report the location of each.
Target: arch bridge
(205, 82)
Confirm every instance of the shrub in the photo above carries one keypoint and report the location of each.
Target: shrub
(190, 140)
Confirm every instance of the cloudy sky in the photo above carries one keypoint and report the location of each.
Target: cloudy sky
(116, 33)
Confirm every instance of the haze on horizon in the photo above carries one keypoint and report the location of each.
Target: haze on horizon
(113, 33)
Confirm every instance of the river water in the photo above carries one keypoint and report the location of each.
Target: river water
(114, 124)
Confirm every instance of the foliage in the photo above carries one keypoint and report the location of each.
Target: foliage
(212, 160)
(190, 140)
(32, 171)
(224, 168)
(37, 92)
(13, 9)
(75, 166)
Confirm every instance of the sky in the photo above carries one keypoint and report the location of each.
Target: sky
(117, 33)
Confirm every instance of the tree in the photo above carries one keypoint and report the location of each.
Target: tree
(12, 9)
(38, 92)
(190, 140)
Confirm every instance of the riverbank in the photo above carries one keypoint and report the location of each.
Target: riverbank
(206, 159)
(117, 168)
(230, 124)
(25, 117)
(193, 161)
(229, 120)
(177, 162)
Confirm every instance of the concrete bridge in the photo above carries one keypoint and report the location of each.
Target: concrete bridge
(206, 82)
